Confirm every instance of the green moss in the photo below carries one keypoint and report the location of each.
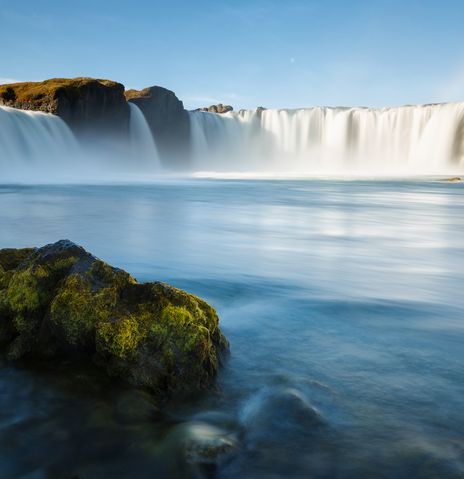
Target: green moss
(202, 317)
(173, 325)
(5, 277)
(183, 331)
(185, 345)
(103, 273)
(25, 296)
(74, 311)
(30, 290)
(120, 338)
(85, 301)
(11, 258)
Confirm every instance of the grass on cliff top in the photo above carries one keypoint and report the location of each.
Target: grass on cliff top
(129, 94)
(26, 91)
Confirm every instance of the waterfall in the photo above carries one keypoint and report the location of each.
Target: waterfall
(425, 139)
(40, 147)
(142, 143)
(420, 140)
(33, 143)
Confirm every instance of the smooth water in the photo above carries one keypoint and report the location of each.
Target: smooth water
(343, 305)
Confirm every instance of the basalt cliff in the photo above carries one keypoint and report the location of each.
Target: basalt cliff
(100, 108)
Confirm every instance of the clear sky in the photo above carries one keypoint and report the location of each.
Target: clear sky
(272, 53)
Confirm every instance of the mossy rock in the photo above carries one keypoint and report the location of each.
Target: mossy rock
(60, 301)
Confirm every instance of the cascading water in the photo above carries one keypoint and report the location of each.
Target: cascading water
(33, 142)
(36, 146)
(143, 145)
(426, 139)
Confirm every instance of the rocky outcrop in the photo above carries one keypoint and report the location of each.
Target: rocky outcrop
(87, 105)
(59, 301)
(219, 108)
(168, 121)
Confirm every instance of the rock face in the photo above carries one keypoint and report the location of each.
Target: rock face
(219, 108)
(168, 120)
(60, 301)
(87, 105)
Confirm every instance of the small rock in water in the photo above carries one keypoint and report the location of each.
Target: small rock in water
(203, 443)
(454, 179)
(285, 410)
(219, 419)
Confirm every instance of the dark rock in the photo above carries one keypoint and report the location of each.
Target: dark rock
(168, 120)
(219, 108)
(7, 95)
(59, 301)
(87, 105)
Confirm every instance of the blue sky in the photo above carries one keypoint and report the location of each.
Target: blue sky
(273, 53)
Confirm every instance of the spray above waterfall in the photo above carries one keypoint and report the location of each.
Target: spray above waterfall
(425, 139)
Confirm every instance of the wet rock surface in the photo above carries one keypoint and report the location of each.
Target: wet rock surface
(59, 302)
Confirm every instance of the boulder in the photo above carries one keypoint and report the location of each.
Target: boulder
(219, 108)
(59, 301)
(168, 120)
(87, 105)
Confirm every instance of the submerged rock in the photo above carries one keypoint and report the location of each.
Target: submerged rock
(279, 413)
(206, 443)
(203, 443)
(60, 301)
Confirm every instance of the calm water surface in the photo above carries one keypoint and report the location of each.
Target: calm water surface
(343, 303)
